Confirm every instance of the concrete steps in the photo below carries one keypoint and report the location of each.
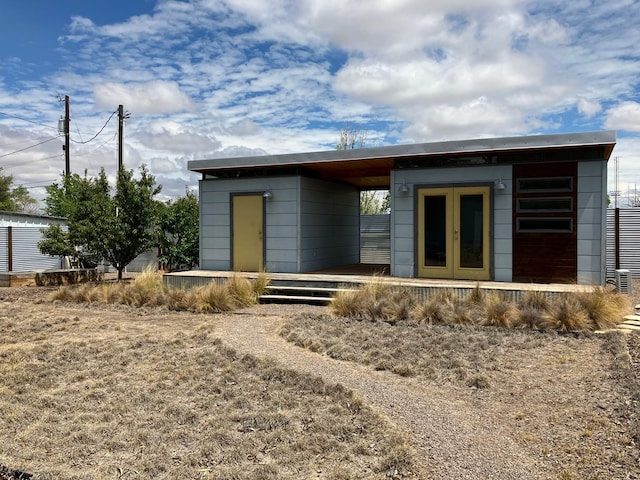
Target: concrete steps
(302, 294)
(630, 323)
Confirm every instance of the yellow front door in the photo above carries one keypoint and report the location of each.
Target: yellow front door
(453, 233)
(247, 233)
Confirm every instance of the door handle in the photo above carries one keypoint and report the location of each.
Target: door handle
(455, 234)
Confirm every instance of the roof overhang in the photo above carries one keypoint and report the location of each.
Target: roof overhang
(371, 167)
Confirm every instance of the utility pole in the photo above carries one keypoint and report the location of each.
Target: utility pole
(67, 168)
(120, 135)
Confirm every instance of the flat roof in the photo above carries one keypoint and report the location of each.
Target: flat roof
(371, 167)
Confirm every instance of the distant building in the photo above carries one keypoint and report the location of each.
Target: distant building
(19, 237)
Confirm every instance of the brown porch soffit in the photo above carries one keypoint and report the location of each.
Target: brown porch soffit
(371, 167)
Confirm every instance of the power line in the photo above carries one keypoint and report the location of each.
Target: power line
(94, 137)
(43, 183)
(26, 120)
(111, 139)
(27, 148)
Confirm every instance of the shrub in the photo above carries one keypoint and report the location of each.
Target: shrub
(400, 305)
(429, 311)
(439, 308)
(529, 317)
(499, 312)
(534, 299)
(212, 298)
(346, 303)
(260, 284)
(241, 291)
(179, 300)
(149, 280)
(605, 307)
(476, 296)
(566, 315)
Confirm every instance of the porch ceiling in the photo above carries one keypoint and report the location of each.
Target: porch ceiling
(367, 173)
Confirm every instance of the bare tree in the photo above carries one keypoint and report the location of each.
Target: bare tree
(351, 138)
(371, 202)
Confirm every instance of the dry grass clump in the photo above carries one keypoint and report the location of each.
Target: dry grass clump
(375, 300)
(214, 297)
(499, 312)
(604, 306)
(595, 309)
(566, 315)
(97, 403)
(147, 290)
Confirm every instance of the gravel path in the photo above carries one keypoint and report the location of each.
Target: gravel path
(449, 442)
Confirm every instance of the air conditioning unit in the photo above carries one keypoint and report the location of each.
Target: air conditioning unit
(624, 281)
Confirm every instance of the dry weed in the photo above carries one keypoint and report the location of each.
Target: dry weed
(260, 284)
(429, 311)
(566, 314)
(476, 296)
(241, 291)
(534, 299)
(346, 303)
(213, 297)
(380, 301)
(94, 403)
(530, 317)
(605, 307)
(499, 312)
(147, 290)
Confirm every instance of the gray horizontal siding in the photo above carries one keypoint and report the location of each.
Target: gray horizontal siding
(329, 224)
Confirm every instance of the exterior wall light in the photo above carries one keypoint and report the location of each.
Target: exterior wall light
(499, 186)
(404, 188)
(267, 194)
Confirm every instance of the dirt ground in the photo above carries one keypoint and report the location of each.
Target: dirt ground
(572, 415)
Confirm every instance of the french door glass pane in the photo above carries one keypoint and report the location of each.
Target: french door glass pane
(471, 237)
(435, 221)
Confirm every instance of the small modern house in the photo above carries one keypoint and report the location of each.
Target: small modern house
(517, 209)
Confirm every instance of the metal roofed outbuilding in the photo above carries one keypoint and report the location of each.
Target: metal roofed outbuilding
(526, 208)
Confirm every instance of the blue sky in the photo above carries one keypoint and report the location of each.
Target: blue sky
(213, 78)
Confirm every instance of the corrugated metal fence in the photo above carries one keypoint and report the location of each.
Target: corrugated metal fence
(22, 254)
(629, 241)
(375, 239)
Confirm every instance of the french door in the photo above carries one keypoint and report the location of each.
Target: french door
(453, 233)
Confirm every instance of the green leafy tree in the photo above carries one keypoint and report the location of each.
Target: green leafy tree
(180, 233)
(116, 227)
(15, 199)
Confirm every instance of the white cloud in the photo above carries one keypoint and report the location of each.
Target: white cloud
(210, 78)
(165, 138)
(625, 116)
(154, 97)
(589, 108)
